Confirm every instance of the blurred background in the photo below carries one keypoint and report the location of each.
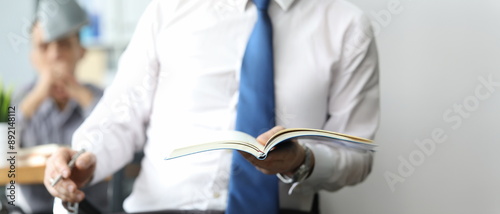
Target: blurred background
(440, 96)
(112, 23)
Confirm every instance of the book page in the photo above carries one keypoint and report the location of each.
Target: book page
(222, 140)
(343, 139)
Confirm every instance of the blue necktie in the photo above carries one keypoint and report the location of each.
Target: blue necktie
(251, 191)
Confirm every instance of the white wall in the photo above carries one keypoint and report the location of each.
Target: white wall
(432, 54)
(15, 19)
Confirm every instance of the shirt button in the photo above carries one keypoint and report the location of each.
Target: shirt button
(216, 195)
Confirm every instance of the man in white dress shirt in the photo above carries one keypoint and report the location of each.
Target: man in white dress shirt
(178, 81)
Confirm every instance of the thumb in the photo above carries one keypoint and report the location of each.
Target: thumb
(85, 161)
(264, 137)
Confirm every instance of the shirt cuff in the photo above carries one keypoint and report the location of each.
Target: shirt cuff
(321, 172)
(323, 164)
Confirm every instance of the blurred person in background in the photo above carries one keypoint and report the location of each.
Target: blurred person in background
(56, 103)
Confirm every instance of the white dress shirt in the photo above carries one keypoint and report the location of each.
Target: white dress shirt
(178, 81)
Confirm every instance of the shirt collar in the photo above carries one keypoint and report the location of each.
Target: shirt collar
(284, 4)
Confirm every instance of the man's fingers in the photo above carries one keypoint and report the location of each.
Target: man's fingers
(73, 198)
(284, 158)
(246, 155)
(268, 171)
(60, 161)
(268, 166)
(50, 176)
(252, 159)
(69, 191)
(57, 165)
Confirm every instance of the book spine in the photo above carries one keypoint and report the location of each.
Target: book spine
(262, 156)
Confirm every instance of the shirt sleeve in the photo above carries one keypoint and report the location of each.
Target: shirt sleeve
(116, 127)
(353, 109)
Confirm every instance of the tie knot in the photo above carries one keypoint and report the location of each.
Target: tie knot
(262, 4)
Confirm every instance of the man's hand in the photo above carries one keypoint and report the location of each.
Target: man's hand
(44, 82)
(72, 180)
(284, 158)
(77, 91)
(38, 94)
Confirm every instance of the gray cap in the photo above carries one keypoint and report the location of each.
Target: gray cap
(59, 18)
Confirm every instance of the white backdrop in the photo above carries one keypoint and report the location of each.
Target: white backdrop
(436, 60)
(15, 19)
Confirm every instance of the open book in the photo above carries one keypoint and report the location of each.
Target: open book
(244, 142)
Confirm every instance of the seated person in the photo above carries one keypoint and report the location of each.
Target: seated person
(53, 107)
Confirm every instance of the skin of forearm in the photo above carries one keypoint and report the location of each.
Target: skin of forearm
(32, 101)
